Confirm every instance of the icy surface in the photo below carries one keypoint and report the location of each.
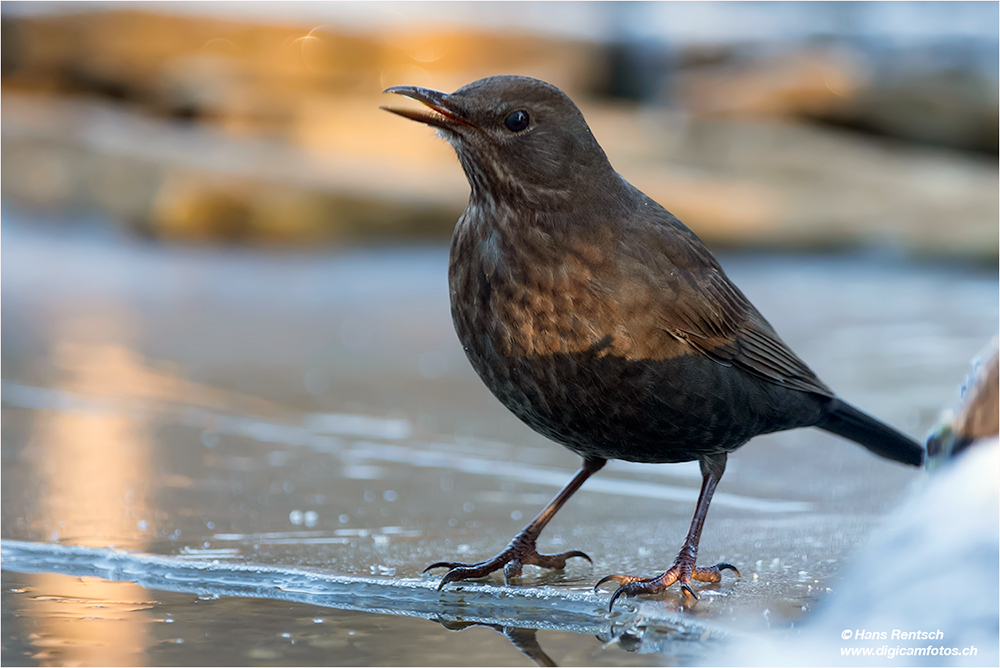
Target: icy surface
(259, 441)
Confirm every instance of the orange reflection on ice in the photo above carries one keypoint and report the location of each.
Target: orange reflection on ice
(86, 622)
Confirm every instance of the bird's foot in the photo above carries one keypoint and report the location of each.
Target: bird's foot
(519, 552)
(684, 571)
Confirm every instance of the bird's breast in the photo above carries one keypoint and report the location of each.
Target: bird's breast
(527, 294)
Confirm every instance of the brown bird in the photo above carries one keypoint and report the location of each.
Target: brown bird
(603, 322)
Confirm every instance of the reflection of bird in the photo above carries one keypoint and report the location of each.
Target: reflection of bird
(979, 415)
(525, 640)
(602, 321)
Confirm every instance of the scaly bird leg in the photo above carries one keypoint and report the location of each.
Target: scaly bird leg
(684, 569)
(521, 550)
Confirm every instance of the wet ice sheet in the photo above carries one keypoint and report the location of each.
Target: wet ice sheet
(641, 628)
(119, 623)
(315, 413)
(529, 607)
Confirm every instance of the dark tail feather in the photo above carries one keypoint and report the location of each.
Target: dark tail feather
(847, 421)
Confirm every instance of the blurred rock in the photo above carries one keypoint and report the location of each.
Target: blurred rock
(174, 180)
(925, 98)
(921, 96)
(795, 84)
(350, 171)
(840, 189)
(252, 75)
(204, 129)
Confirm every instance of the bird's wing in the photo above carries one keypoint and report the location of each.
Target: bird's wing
(699, 305)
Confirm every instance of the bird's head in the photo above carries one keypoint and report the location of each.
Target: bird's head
(516, 137)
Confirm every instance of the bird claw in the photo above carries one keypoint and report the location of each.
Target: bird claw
(724, 566)
(519, 553)
(631, 585)
(621, 579)
(441, 564)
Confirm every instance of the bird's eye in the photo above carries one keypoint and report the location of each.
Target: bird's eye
(516, 120)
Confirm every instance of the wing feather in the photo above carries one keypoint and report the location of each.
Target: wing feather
(698, 304)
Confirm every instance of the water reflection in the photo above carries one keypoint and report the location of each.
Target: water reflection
(674, 645)
(82, 622)
(97, 486)
(525, 640)
(94, 466)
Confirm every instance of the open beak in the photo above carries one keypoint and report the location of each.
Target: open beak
(442, 112)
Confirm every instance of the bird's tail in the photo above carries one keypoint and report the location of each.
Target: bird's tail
(847, 421)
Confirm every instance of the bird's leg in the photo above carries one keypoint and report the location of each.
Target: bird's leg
(684, 569)
(521, 550)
